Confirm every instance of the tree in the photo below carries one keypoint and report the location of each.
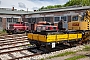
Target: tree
(77, 2)
(57, 6)
(69, 3)
(49, 7)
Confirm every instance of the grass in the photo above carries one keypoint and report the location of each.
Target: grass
(2, 32)
(76, 57)
(29, 44)
(87, 48)
(42, 59)
(59, 55)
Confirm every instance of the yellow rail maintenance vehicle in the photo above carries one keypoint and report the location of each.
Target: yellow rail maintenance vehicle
(81, 23)
(48, 36)
(51, 39)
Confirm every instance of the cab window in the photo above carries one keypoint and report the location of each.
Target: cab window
(82, 18)
(38, 28)
(48, 28)
(54, 28)
(43, 28)
(75, 18)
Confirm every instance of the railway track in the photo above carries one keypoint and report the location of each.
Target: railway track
(13, 47)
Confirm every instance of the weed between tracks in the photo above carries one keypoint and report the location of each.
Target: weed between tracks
(87, 48)
(2, 32)
(76, 57)
(29, 45)
(59, 55)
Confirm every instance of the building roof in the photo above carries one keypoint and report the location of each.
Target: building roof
(46, 11)
(62, 9)
(12, 12)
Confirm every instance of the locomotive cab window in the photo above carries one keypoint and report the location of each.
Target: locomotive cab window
(54, 28)
(75, 18)
(38, 28)
(48, 28)
(82, 18)
(43, 28)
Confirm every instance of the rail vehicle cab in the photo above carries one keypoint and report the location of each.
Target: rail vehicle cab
(79, 22)
(74, 23)
(17, 27)
(40, 28)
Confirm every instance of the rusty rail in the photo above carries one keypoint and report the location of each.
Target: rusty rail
(12, 51)
(25, 56)
(12, 43)
(13, 47)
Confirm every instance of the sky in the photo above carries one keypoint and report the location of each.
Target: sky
(29, 4)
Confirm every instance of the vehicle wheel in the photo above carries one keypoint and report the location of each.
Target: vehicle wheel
(14, 32)
(38, 46)
(9, 32)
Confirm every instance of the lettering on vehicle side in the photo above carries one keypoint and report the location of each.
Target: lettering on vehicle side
(75, 24)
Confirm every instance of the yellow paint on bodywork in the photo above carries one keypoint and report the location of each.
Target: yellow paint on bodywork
(35, 37)
(62, 37)
(30, 35)
(79, 35)
(72, 36)
(55, 37)
(51, 38)
(42, 38)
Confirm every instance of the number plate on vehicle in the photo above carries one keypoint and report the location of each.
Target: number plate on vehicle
(53, 45)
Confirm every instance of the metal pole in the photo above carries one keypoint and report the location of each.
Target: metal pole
(21, 19)
(12, 20)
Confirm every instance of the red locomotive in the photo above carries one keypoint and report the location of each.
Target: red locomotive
(17, 27)
(30, 27)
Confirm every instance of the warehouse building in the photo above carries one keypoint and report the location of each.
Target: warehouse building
(52, 15)
(8, 16)
(55, 15)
